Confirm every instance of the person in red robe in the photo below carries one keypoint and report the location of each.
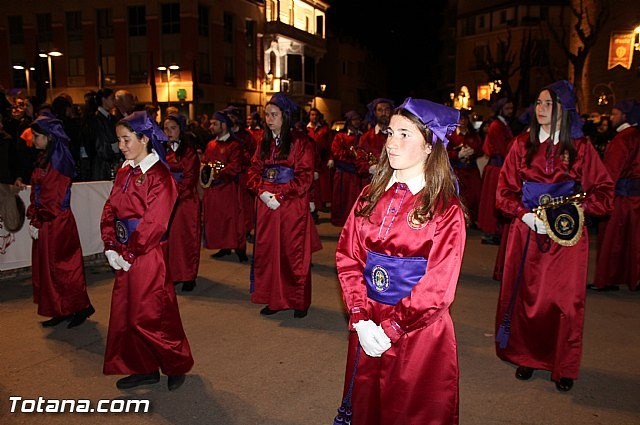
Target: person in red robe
(183, 245)
(372, 141)
(59, 284)
(463, 150)
(319, 132)
(540, 312)
(145, 330)
(224, 225)
(347, 181)
(281, 174)
(398, 259)
(495, 146)
(619, 251)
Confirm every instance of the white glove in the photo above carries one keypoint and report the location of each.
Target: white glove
(33, 232)
(266, 197)
(273, 203)
(312, 206)
(372, 338)
(316, 175)
(372, 169)
(120, 261)
(537, 225)
(112, 257)
(330, 163)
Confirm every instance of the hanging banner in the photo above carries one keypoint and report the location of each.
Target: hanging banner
(620, 49)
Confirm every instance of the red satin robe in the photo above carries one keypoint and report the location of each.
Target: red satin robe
(321, 136)
(281, 274)
(496, 146)
(346, 184)
(247, 198)
(619, 251)
(466, 170)
(416, 380)
(145, 330)
(369, 149)
(548, 317)
(183, 246)
(59, 285)
(222, 211)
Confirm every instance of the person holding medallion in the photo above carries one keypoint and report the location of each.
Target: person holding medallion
(145, 330)
(281, 174)
(398, 259)
(540, 313)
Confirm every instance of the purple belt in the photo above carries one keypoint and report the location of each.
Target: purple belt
(390, 278)
(178, 176)
(277, 174)
(535, 193)
(347, 167)
(628, 187)
(124, 229)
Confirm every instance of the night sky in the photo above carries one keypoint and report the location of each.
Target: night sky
(404, 33)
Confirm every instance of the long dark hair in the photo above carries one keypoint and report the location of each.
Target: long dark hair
(45, 157)
(560, 118)
(441, 183)
(286, 138)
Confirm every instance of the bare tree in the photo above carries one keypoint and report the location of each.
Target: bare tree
(500, 67)
(589, 23)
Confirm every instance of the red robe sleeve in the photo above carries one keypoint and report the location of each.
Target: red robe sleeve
(53, 190)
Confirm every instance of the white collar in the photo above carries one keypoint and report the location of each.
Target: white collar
(415, 184)
(103, 111)
(146, 163)
(224, 137)
(503, 119)
(378, 129)
(543, 136)
(624, 126)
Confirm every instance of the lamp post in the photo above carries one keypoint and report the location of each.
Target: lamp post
(26, 75)
(51, 54)
(172, 67)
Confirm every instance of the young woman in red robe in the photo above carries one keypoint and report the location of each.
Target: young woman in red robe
(347, 181)
(59, 285)
(398, 258)
(281, 174)
(183, 245)
(145, 330)
(548, 286)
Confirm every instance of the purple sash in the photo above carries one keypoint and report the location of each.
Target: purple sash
(628, 187)
(535, 194)
(347, 167)
(124, 229)
(390, 278)
(277, 174)
(178, 176)
(496, 160)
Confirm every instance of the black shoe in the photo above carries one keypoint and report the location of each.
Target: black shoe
(523, 373)
(54, 321)
(221, 253)
(266, 311)
(80, 316)
(174, 382)
(564, 384)
(242, 255)
(607, 288)
(299, 314)
(490, 240)
(188, 286)
(315, 217)
(133, 381)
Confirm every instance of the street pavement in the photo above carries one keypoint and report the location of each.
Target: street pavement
(251, 369)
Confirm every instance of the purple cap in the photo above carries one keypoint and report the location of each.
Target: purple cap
(283, 102)
(61, 158)
(223, 116)
(567, 98)
(140, 122)
(631, 109)
(233, 110)
(180, 119)
(440, 119)
(371, 106)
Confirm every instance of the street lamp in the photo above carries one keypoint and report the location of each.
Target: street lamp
(172, 67)
(51, 54)
(26, 75)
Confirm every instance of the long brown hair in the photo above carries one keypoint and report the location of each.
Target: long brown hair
(559, 118)
(441, 182)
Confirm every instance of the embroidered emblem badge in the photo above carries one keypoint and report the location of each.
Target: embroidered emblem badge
(413, 222)
(122, 234)
(140, 179)
(380, 278)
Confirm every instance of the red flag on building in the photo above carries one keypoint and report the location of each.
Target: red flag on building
(620, 49)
